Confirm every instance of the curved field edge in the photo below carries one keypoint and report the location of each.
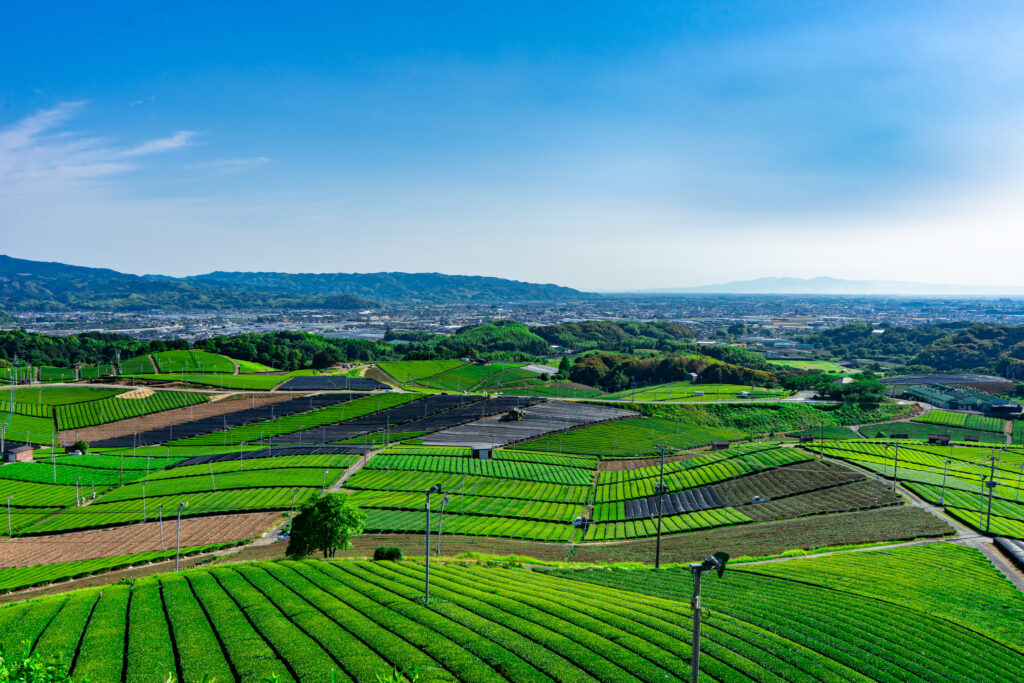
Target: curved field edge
(305, 620)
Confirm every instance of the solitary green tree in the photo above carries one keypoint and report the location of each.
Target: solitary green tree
(325, 524)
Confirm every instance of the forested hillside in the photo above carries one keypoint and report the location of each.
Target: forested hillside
(38, 285)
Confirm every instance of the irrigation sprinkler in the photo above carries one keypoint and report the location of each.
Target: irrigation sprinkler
(212, 482)
(436, 488)
(716, 562)
(160, 521)
(78, 490)
(177, 541)
(9, 515)
(323, 486)
(143, 502)
(241, 457)
(294, 491)
(440, 523)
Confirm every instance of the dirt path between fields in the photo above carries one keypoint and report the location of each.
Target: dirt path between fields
(232, 404)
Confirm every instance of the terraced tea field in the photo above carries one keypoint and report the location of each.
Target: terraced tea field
(267, 484)
(964, 420)
(122, 407)
(921, 430)
(688, 391)
(514, 495)
(253, 382)
(952, 476)
(412, 371)
(638, 437)
(355, 621)
(267, 429)
(473, 377)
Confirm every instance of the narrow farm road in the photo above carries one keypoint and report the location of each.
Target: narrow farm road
(353, 468)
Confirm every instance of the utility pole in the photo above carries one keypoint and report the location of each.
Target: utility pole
(177, 553)
(9, 515)
(436, 488)
(896, 465)
(717, 562)
(942, 498)
(160, 521)
(991, 484)
(661, 508)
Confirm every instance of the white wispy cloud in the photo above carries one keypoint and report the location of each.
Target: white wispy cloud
(183, 138)
(230, 165)
(38, 152)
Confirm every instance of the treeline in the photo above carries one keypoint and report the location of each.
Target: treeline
(88, 348)
(281, 350)
(612, 372)
(507, 340)
(296, 350)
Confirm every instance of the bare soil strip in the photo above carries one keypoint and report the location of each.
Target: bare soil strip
(135, 538)
(170, 417)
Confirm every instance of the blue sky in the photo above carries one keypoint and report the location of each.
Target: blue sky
(607, 146)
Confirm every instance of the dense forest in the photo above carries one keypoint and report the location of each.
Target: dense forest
(613, 372)
(611, 335)
(949, 347)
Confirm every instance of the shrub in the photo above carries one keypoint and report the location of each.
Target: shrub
(31, 668)
(81, 446)
(388, 553)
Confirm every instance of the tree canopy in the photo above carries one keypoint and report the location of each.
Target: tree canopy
(325, 524)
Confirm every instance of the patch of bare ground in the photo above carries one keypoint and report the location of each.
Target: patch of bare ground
(134, 538)
(379, 375)
(230, 404)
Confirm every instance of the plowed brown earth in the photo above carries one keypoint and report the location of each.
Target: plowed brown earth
(379, 375)
(136, 538)
(171, 417)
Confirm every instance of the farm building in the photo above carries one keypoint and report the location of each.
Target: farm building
(23, 453)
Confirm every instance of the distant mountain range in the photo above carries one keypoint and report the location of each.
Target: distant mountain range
(831, 285)
(39, 285)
